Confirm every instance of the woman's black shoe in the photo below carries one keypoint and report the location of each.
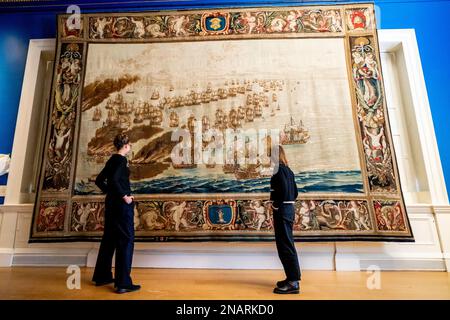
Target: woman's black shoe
(289, 287)
(132, 288)
(282, 283)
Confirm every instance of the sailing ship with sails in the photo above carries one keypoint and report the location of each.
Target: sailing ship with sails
(235, 122)
(220, 115)
(130, 89)
(173, 119)
(156, 116)
(113, 118)
(249, 170)
(124, 108)
(231, 167)
(206, 125)
(249, 113)
(97, 114)
(258, 110)
(294, 133)
(138, 115)
(241, 113)
(191, 126)
(155, 95)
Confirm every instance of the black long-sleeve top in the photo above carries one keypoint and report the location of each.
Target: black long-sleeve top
(283, 186)
(114, 179)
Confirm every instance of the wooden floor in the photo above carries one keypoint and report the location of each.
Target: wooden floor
(188, 284)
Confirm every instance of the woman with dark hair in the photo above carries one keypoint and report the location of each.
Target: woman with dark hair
(283, 192)
(118, 232)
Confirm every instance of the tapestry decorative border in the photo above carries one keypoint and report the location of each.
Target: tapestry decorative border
(377, 214)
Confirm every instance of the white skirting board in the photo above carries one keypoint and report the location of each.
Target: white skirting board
(6, 257)
(240, 257)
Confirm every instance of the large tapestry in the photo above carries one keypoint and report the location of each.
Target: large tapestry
(203, 95)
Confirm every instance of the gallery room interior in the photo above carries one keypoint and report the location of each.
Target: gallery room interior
(208, 142)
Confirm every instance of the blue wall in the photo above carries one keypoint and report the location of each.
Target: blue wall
(429, 18)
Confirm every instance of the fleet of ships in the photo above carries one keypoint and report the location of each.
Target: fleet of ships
(123, 114)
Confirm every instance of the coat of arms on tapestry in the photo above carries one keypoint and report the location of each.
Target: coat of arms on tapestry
(308, 77)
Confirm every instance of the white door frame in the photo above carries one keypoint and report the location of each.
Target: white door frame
(392, 40)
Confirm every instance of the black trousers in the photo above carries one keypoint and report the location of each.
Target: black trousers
(118, 237)
(283, 219)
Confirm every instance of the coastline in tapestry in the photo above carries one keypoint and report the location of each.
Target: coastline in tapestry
(149, 90)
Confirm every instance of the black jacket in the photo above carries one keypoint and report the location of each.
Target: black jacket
(114, 179)
(283, 186)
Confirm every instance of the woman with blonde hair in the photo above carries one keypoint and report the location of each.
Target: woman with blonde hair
(283, 192)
